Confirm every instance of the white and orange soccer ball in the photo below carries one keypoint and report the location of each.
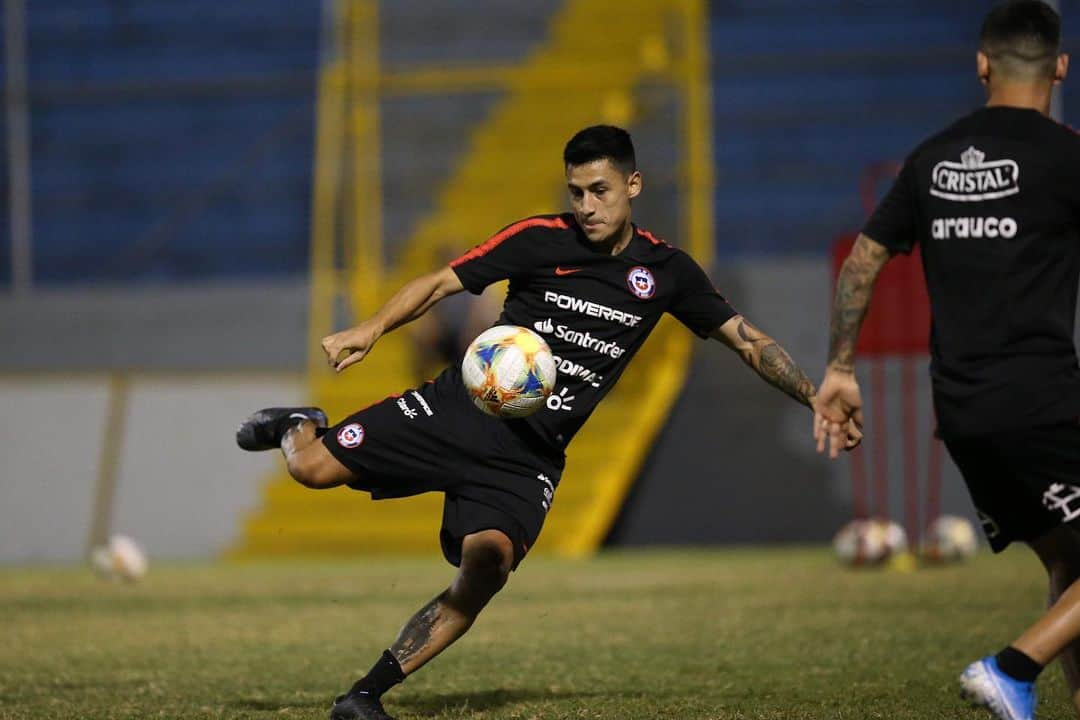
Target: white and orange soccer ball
(949, 538)
(870, 541)
(509, 371)
(121, 559)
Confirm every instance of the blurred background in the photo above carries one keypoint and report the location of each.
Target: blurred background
(195, 192)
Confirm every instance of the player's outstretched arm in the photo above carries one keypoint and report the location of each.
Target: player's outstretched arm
(408, 303)
(766, 357)
(776, 367)
(839, 401)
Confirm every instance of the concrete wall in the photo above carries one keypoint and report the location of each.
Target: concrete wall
(182, 485)
(192, 327)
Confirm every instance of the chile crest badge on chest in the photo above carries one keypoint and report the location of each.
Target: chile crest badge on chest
(641, 282)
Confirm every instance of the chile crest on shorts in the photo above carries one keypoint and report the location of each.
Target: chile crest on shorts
(351, 435)
(641, 282)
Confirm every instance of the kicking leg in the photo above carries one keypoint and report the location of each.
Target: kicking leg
(486, 560)
(293, 430)
(309, 462)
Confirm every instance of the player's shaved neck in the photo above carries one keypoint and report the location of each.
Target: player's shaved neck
(1021, 75)
(1019, 94)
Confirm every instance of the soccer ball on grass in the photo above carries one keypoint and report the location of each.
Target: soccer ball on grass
(949, 539)
(870, 541)
(120, 559)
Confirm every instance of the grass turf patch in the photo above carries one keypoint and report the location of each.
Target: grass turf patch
(750, 634)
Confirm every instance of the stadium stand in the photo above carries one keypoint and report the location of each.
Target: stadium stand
(170, 142)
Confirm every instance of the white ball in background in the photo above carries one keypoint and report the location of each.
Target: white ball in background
(949, 538)
(869, 541)
(121, 559)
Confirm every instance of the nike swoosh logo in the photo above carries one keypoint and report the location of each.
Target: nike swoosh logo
(566, 271)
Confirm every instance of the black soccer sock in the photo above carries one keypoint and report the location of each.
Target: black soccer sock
(1017, 665)
(384, 675)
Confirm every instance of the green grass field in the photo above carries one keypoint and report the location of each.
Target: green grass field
(779, 633)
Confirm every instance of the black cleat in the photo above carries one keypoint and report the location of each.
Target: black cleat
(263, 430)
(358, 705)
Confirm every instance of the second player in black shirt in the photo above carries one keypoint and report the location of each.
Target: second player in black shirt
(993, 204)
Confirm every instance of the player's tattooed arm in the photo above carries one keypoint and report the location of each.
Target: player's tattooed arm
(767, 358)
(853, 289)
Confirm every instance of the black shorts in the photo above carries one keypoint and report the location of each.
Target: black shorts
(1024, 483)
(496, 474)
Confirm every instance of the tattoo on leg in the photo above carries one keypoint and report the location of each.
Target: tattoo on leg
(416, 635)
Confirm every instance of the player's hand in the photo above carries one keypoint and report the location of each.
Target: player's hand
(349, 347)
(838, 412)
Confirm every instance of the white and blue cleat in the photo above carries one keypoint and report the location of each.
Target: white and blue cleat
(983, 683)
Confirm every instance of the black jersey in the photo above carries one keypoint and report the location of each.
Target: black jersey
(594, 309)
(994, 203)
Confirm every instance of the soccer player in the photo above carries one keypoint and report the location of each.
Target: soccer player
(595, 285)
(993, 202)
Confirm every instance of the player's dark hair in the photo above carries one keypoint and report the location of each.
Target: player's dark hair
(1022, 37)
(601, 142)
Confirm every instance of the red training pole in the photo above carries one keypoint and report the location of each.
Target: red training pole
(933, 474)
(911, 448)
(859, 486)
(881, 448)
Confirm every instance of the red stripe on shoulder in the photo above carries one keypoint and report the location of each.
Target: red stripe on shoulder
(495, 240)
(651, 238)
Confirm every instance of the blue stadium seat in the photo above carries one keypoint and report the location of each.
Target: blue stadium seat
(806, 95)
(171, 141)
